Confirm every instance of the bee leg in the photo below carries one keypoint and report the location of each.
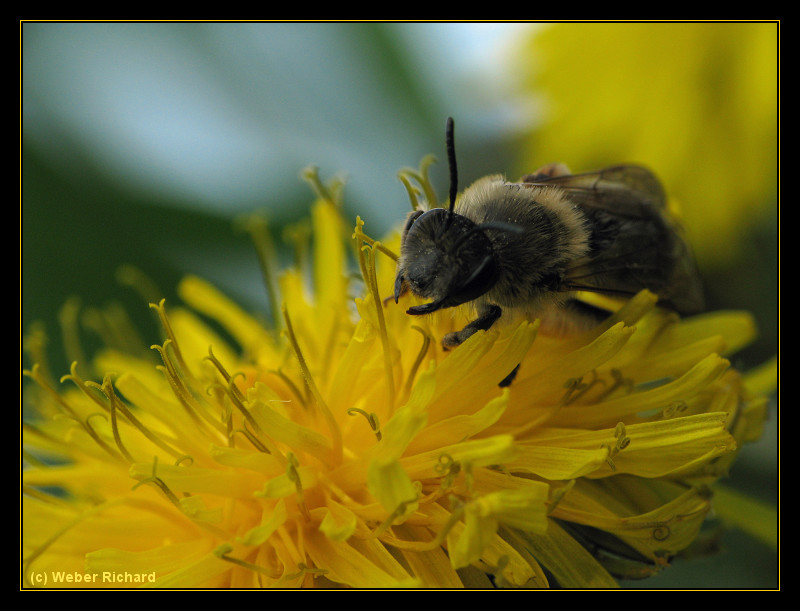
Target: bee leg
(482, 323)
(506, 381)
(400, 288)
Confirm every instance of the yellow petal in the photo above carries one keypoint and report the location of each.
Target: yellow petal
(488, 359)
(158, 560)
(203, 297)
(467, 546)
(751, 515)
(298, 438)
(736, 328)
(431, 566)
(547, 386)
(272, 519)
(207, 572)
(365, 566)
(396, 434)
(260, 462)
(475, 453)
(457, 369)
(390, 484)
(522, 507)
(662, 448)
(763, 379)
(652, 449)
(223, 482)
(194, 507)
(288, 484)
(463, 426)
(339, 523)
(330, 281)
(666, 529)
(557, 463)
(568, 561)
(610, 412)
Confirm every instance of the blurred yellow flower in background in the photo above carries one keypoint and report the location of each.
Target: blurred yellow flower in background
(351, 450)
(697, 102)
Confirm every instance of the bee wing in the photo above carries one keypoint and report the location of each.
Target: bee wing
(635, 244)
(624, 271)
(623, 190)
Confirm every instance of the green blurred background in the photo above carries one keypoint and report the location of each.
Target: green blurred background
(142, 142)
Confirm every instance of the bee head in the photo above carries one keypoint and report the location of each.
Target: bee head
(446, 257)
(443, 254)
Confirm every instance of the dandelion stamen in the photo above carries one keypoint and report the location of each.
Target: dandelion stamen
(412, 192)
(674, 408)
(83, 385)
(622, 442)
(226, 416)
(235, 396)
(333, 426)
(421, 176)
(160, 308)
(256, 226)
(122, 451)
(34, 344)
(371, 281)
(238, 400)
(619, 381)
(297, 235)
(572, 385)
(230, 387)
(222, 553)
(115, 406)
(306, 570)
(330, 345)
(301, 399)
(577, 388)
(331, 192)
(133, 277)
(358, 234)
(182, 394)
(448, 469)
(294, 477)
(388, 522)
(412, 372)
(556, 494)
(35, 374)
(70, 337)
(113, 325)
(661, 532)
(371, 417)
(252, 439)
(438, 540)
(290, 545)
(159, 483)
(114, 402)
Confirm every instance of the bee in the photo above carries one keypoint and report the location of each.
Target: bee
(530, 246)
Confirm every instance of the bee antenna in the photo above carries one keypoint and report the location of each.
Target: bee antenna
(451, 161)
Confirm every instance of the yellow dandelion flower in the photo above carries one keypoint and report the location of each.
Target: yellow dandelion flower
(697, 100)
(350, 450)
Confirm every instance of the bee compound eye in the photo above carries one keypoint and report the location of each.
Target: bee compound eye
(481, 280)
(412, 217)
